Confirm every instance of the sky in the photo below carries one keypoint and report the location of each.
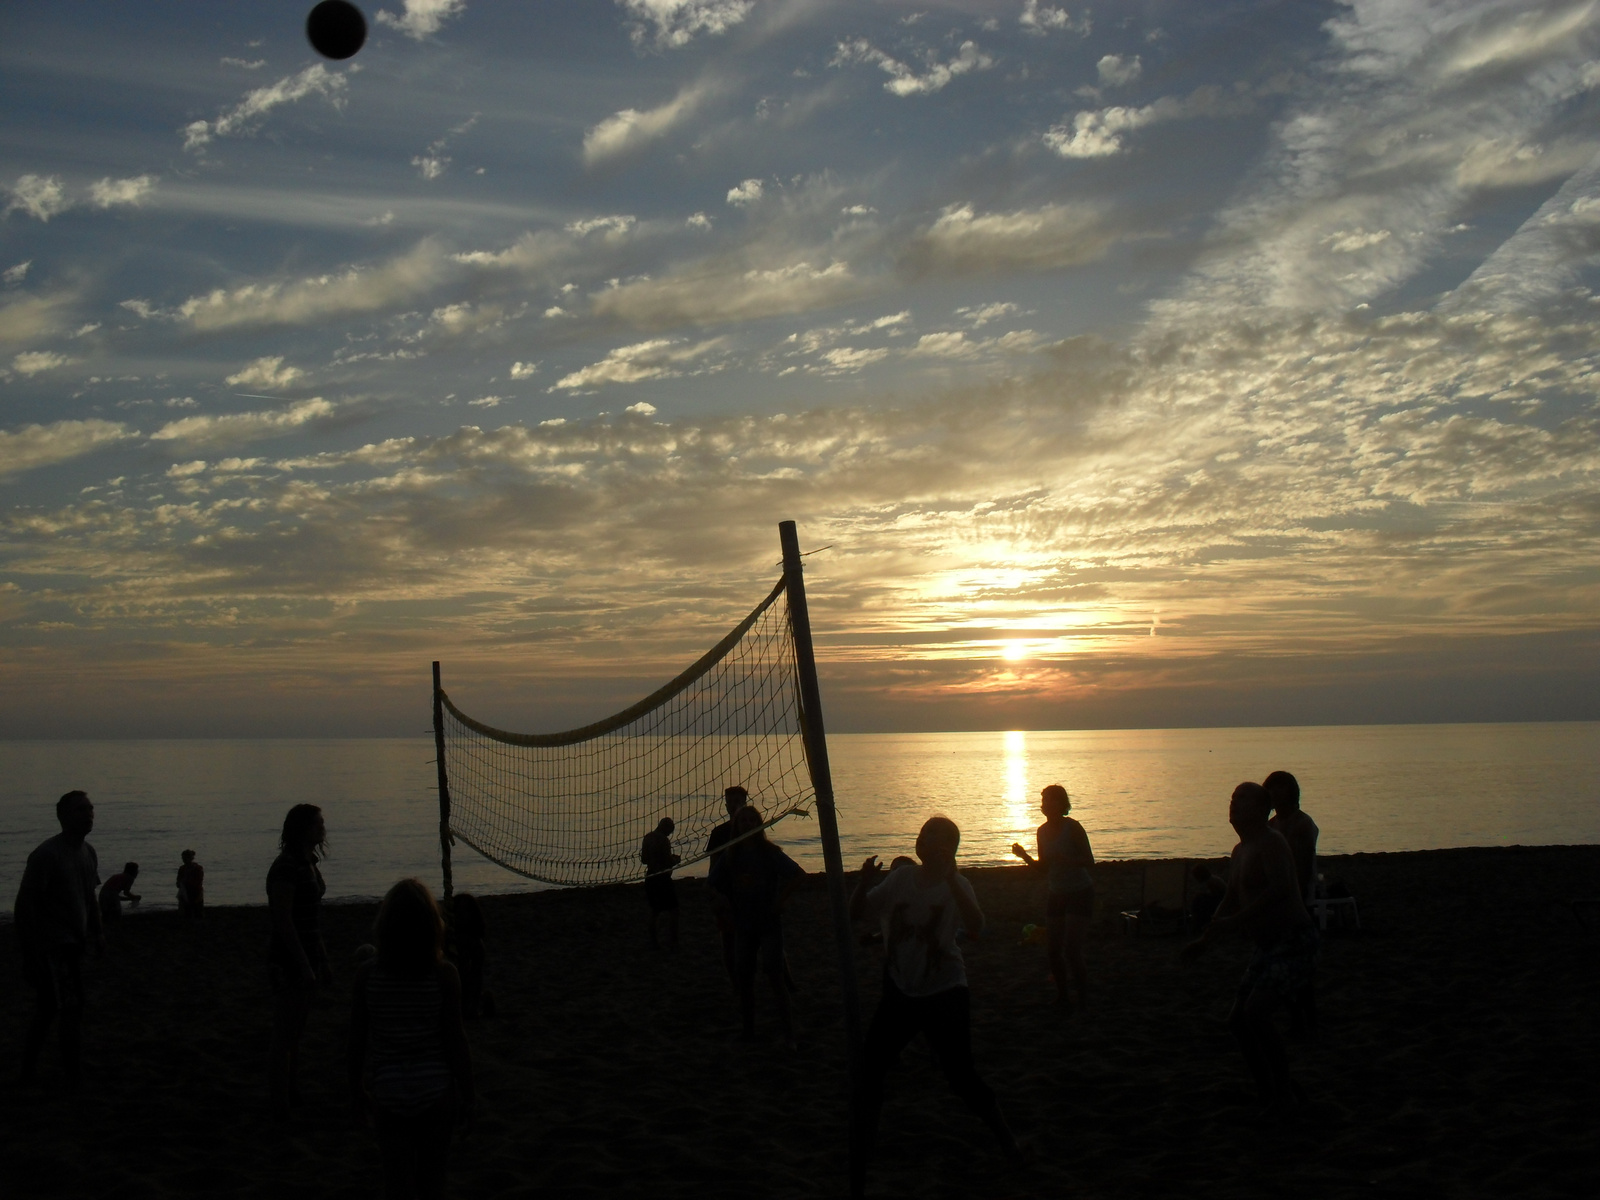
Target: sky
(1145, 364)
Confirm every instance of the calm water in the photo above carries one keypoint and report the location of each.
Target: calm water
(1154, 792)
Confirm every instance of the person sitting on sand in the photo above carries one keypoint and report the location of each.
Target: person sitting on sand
(297, 961)
(658, 858)
(750, 881)
(191, 887)
(115, 890)
(1297, 827)
(1262, 902)
(919, 908)
(56, 917)
(1209, 891)
(409, 1064)
(1066, 857)
(733, 798)
(470, 958)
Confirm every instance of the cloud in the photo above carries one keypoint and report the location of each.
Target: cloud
(708, 293)
(430, 166)
(246, 116)
(1099, 133)
(40, 196)
(963, 241)
(904, 81)
(15, 275)
(269, 373)
(659, 358)
(698, 220)
(487, 402)
(630, 130)
(1039, 20)
(745, 194)
(32, 362)
(642, 409)
(31, 317)
(614, 227)
(524, 370)
(108, 192)
(1117, 71)
(302, 301)
(233, 429)
(980, 315)
(678, 22)
(44, 445)
(247, 64)
(421, 19)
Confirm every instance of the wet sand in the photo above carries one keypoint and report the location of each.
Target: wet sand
(1458, 1056)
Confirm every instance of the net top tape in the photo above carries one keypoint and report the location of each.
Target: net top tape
(617, 720)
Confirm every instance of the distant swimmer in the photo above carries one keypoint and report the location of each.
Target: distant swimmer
(191, 887)
(1066, 857)
(1263, 902)
(117, 890)
(297, 962)
(56, 918)
(751, 881)
(733, 798)
(918, 908)
(656, 854)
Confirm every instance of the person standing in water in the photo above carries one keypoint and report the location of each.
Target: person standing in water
(1066, 857)
(919, 907)
(1263, 903)
(297, 962)
(56, 918)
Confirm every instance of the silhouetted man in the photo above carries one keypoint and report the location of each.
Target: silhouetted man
(1300, 831)
(1263, 902)
(734, 798)
(56, 916)
(658, 858)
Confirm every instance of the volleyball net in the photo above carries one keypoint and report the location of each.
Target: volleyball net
(573, 808)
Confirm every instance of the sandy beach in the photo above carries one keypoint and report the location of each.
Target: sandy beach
(1457, 1057)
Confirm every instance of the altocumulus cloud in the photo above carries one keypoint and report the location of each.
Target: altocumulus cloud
(659, 358)
(41, 445)
(232, 429)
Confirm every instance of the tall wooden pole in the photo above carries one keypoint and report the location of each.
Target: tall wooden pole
(822, 782)
(444, 782)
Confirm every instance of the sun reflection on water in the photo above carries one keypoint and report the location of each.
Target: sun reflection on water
(1016, 778)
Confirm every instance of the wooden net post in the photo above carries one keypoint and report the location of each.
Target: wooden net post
(822, 782)
(444, 783)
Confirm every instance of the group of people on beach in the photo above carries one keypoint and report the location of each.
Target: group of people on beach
(410, 1070)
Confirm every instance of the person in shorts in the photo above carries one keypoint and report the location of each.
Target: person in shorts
(1263, 903)
(751, 880)
(1066, 857)
(656, 854)
(56, 917)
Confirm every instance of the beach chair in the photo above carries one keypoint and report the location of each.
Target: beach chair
(1323, 906)
(1163, 900)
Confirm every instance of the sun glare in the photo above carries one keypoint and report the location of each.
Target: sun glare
(1013, 651)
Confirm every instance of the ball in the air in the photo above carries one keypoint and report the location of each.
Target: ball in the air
(336, 29)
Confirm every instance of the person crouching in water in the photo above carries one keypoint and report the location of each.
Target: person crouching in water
(1066, 857)
(1263, 903)
(924, 986)
(750, 882)
(405, 1025)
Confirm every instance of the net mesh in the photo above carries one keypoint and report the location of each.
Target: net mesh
(573, 808)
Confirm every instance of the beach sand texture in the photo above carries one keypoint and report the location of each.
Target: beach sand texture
(1458, 1056)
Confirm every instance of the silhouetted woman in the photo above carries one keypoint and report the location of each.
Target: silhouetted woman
(296, 960)
(1065, 855)
(409, 1065)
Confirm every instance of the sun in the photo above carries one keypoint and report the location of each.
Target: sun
(1014, 650)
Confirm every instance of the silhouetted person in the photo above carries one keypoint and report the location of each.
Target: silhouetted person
(1209, 891)
(56, 918)
(409, 1065)
(470, 955)
(191, 887)
(1065, 855)
(1300, 831)
(924, 985)
(1297, 827)
(297, 962)
(115, 890)
(750, 881)
(656, 854)
(1263, 903)
(734, 798)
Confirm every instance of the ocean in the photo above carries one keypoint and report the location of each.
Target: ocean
(1139, 793)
